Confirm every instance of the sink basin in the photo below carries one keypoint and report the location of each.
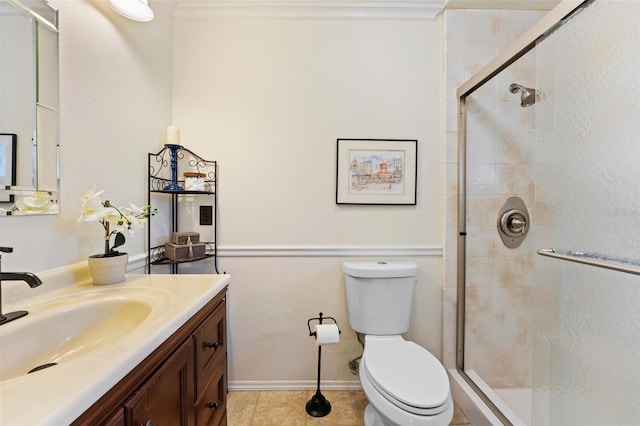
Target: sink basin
(66, 328)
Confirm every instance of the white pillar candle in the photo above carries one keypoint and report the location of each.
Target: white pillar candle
(173, 135)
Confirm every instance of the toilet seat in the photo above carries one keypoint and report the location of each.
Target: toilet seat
(407, 375)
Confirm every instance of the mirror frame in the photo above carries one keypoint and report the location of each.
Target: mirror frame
(42, 196)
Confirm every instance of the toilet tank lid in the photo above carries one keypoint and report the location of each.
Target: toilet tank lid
(380, 269)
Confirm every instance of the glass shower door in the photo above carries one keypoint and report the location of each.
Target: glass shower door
(586, 321)
(500, 132)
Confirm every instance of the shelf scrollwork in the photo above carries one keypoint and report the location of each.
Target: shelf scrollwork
(188, 161)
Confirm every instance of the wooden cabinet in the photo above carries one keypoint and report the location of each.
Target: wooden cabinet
(211, 369)
(211, 348)
(210, 408)
(183, 382)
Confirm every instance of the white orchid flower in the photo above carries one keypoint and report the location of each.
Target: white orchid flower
(116, 221)
(112, 215)
(137, 211)
(91, 195)
(92, 211)
(137, 216)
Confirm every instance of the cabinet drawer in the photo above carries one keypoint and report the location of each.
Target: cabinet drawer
(211, 406)
(210, 345)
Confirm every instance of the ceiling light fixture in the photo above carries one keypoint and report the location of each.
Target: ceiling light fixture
(138, 10)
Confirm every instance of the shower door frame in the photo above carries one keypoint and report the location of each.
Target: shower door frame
(525, 43)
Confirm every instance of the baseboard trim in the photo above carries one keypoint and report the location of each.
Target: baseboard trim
(282, 385)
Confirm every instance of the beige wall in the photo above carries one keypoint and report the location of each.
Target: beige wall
(268, 99)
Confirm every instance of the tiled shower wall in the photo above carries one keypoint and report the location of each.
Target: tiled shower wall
(499, 165)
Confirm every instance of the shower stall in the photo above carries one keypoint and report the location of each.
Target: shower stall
(548, 234)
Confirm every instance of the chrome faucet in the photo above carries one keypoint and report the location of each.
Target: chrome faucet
(27, 277)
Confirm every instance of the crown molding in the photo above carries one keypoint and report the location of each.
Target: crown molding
(543, 5)
(308, 9)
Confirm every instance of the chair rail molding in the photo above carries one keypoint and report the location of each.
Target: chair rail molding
(327, 251)
(309, 9)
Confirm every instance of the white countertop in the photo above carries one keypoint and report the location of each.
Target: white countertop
(58, 395)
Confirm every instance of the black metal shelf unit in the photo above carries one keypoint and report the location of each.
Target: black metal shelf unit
(164, 167)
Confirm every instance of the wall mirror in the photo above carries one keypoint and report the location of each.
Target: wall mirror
(29, 122)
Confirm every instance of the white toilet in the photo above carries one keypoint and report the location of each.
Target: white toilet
(405, 384)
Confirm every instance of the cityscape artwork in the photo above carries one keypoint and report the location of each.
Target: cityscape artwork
(376, 171)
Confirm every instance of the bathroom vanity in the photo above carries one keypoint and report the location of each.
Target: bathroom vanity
(160, 390)
(169, 368)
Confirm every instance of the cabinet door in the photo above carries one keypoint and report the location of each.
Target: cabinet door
(211, 346)
(167, 398)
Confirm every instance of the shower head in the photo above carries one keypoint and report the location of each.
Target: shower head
(527, 95)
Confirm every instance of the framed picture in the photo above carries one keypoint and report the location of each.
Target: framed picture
(376, 171)
(8, 147)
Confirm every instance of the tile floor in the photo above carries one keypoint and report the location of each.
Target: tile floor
(287, 408)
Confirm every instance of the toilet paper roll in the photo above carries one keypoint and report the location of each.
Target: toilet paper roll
(327, 334)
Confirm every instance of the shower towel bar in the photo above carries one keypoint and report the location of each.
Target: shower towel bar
(595, 259)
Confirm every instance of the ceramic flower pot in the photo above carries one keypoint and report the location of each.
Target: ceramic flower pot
(108, 270)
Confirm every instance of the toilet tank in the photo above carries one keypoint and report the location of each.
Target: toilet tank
(379, 296)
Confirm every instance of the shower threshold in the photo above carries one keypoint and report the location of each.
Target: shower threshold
(519, 400)
(514, 403)
(504, 404)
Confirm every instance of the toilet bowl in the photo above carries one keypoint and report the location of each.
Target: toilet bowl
(405, 384)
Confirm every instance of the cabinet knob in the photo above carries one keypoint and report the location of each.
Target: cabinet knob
(214, 345)
(214, 405)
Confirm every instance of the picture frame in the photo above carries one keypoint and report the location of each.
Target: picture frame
(8, 146)
(376, 171)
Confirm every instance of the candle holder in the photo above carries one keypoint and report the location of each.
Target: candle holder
(174, 168)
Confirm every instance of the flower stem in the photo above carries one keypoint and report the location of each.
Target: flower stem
(106, 231)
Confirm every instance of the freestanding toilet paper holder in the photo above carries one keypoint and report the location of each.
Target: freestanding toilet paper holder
(318, 406)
